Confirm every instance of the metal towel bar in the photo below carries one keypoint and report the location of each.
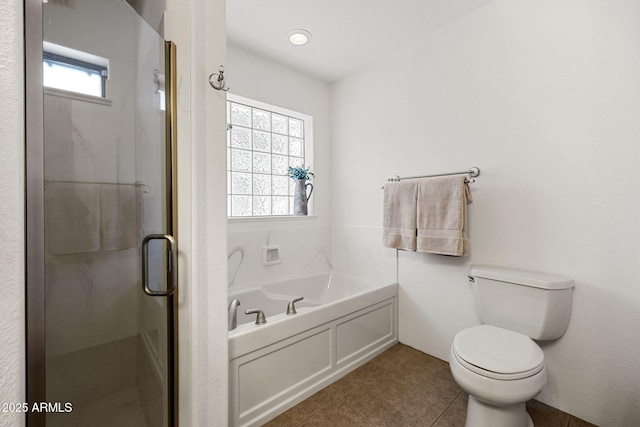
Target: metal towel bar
(473, 173)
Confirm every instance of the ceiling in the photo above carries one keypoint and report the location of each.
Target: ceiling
(346, 34)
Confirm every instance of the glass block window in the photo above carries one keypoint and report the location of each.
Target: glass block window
(262, 142)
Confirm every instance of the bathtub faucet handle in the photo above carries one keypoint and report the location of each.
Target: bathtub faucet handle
(260, 319)
(291, 308)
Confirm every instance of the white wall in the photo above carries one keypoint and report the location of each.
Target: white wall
(203, 301)
(12, 339)
(306, 243)
(253, 76)
(205, 397)
(544, 97)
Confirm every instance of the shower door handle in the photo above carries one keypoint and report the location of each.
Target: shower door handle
(172, 265)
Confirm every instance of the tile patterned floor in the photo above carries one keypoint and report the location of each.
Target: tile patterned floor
(401, 387)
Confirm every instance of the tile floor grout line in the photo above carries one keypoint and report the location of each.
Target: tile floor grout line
(446, 409)
(383, 374)
(433, 393)
(361, 384)
(366, 417)
(314, 412)
(340, 398)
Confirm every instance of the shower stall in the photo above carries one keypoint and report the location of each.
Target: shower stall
(101, 215)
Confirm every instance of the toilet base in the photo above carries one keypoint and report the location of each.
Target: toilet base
(481, 414)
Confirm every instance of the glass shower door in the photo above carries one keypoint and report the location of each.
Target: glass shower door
(109, 213)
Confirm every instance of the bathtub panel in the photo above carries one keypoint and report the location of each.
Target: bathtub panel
(294, 364)
(274, 366)
(359, 334)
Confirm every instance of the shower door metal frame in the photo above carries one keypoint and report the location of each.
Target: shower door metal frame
(171, 173)
(35, 354)
(34, 212)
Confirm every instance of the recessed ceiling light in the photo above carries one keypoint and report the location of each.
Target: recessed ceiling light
(299, 37)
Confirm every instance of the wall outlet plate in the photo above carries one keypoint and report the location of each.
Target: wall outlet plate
(271, 255)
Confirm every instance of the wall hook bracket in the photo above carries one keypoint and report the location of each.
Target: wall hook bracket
(218, 82)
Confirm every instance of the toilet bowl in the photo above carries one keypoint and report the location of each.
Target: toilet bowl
(497, 363)
(500, 370)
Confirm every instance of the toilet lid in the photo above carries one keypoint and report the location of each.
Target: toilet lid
(497, 352)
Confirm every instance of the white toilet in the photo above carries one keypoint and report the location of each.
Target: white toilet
(498, 364)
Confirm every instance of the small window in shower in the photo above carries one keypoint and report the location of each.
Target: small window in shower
(70, 70)
(262, 142)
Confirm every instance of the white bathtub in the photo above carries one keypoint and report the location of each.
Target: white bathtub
(343, 322)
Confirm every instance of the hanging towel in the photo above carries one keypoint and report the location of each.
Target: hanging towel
(72, 218)
(399, 221)
(120, 217)
(442, 215)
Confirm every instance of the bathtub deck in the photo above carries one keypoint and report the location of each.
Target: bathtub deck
(401, 387)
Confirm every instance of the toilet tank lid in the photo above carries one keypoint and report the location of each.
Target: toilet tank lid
(521, 277)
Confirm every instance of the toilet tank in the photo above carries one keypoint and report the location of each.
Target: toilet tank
(535, 304)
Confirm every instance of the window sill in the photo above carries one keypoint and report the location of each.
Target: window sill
(271, 218)
(77, 96)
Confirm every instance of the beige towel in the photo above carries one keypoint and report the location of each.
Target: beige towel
(120, 217)
(399, 220)
(72, 218)
(442, 215)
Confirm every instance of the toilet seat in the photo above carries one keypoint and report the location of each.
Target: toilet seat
(497, 353)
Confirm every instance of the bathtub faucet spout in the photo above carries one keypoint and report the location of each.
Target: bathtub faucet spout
(233, 314)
